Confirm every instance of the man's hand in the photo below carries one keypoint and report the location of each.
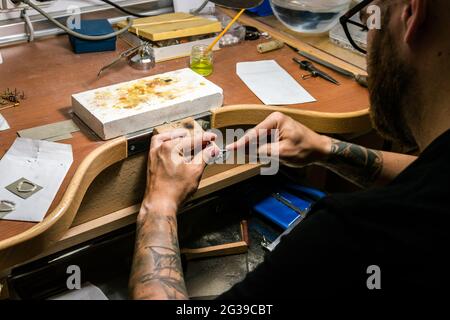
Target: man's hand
(176, 164)
(296, 145)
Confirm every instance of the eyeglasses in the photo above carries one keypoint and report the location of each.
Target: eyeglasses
(349, 18)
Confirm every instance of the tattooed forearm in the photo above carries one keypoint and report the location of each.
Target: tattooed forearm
(157, 271)
(360, 165)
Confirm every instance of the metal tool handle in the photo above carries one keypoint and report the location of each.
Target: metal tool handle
(304, 64)
(123, 55)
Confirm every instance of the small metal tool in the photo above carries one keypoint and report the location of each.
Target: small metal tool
(314, 72)
(127, 54)
(359, 78)
(287, 203)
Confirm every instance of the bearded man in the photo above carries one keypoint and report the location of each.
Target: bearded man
(395, 228)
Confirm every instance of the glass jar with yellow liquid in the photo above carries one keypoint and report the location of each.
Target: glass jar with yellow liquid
(202, 60)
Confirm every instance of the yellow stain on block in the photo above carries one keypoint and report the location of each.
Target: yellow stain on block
(172, 26)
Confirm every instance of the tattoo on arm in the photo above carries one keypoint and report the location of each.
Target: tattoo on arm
(157, 271)
(360, 165)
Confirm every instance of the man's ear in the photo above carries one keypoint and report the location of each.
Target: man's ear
(413, 17)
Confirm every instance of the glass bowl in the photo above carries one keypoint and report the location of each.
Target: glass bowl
(310, 16)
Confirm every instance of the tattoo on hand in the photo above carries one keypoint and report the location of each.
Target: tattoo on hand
(157, 270)
(358, 164)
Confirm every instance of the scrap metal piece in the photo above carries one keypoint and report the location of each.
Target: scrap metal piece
(222, 156)
(24, 188)
(7, 206)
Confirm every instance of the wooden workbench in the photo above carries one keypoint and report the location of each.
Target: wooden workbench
(49, 73)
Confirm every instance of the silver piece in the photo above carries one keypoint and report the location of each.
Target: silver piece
(7, 206)
(222, 156)
(265, 243)
(266, 35)
(22, 186)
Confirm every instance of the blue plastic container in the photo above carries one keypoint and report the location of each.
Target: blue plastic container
(263, 10)
(93, 28)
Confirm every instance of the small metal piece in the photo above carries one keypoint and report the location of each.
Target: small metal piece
(266, 35)
(271, 246)
(222, 156)
(265, 244)
(7, 206)
(139, 142)
(326, 64)
(23, 188)
(251, 33)
(287, 203)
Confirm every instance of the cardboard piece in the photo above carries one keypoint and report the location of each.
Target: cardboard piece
(145, 103)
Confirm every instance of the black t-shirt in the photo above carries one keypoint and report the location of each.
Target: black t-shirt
(403, 229)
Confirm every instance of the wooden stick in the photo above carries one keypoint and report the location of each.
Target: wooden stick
(216, 251)
(146, 24)
(225, 30)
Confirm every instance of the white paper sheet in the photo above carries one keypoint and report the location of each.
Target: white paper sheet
(3, 124)
(42, 162)
(271, 83)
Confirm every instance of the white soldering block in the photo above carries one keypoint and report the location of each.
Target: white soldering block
(141, 104)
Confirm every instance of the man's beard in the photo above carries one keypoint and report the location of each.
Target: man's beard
(391, 90)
